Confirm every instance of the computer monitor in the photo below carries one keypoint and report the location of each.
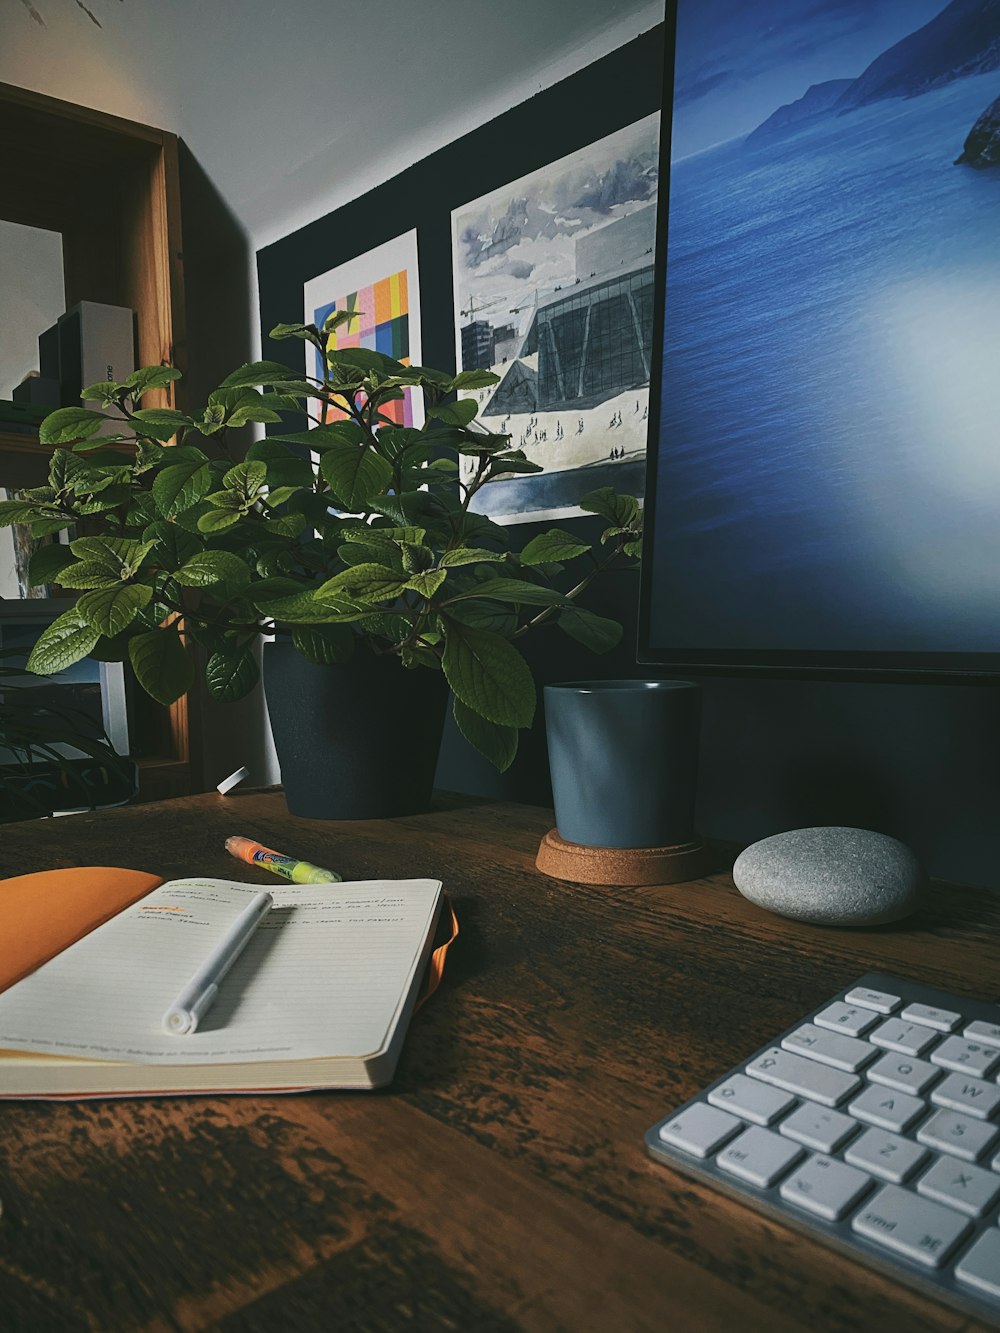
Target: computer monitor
(824, 454)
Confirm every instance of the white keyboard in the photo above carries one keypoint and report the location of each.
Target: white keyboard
(872, 1124)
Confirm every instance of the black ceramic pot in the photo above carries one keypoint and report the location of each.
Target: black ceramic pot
(354, 741)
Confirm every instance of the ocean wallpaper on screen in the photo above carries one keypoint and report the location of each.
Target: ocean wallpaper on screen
(828, 473)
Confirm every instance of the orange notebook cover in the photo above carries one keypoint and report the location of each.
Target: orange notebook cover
(44, 913)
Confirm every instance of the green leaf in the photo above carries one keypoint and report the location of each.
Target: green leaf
(65, 641)
(208, 567)
(246, 477)
(259, 372)
(321, 437)
(68, 424)
(356, 474)
(229, 500)
(428, 582)
(459, 413)
(286, 525)
(595, 632)
(497, 743)
(119, 555)
(172, 545)
(21, 511)
(469, 555)
(277, 495)
(266, 588)
(323, 644)
(217, 520)
(474, 379)
(180, 486)
(284, 468)
(489, 675)
(63, 467)
(553, 545)
(514, 590)
(386, 625)
(621, 510)
(150, 377)
(484, 615)
(307, 332)
(162, 423)
(88, 574)
(390, 537)
(232, 673)
(162, 666)
(106, 392)
(46, 563)
(307, 608)
(501, 468)
(111, 610)
(366, 583)
(365, 359)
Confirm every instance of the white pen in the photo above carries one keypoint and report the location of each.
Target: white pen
(195, 999)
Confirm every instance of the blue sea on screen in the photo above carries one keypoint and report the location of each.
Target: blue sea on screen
(830, 458)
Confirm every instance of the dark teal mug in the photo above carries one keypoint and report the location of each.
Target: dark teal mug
(623, 757)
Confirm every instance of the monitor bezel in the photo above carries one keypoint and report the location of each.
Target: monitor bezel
(799, 664)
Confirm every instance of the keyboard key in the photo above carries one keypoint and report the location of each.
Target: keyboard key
(759, 1156)
(960, 1135)
(822, 1130)
(830, 1048)
(886, 1109)
(700, 1129)
(944, 1020)
(885, 1155)
(847, 1018)
(803, 1077)
(905, 1073)
(873, 999)
(970, 1189)
(980, 1266)
(972, 1095)
(825, 1187)
(754, 1101)
(907, 1038)
(965, 1057)
(987, 1033)
(915, 1227)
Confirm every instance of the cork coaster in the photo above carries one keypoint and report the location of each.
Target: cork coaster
(629, 866)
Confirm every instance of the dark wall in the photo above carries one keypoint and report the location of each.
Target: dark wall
(915, 761)
(919, 762)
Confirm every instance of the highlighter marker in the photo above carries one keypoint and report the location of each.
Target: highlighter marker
(299, 872)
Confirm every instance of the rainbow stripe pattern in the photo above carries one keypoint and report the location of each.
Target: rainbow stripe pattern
(382, 325)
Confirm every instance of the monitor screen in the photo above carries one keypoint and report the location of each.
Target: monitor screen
(824, 449)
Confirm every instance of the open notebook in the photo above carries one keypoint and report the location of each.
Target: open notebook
(319, 998)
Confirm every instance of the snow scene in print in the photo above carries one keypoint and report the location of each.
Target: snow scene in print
(554, 293)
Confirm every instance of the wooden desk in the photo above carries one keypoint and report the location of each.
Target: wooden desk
(501, 1183)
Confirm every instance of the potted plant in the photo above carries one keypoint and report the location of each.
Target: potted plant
(353, 541)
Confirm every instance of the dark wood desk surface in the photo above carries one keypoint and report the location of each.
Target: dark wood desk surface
(501, 1183)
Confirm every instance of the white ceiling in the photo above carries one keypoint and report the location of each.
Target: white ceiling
(293, 107)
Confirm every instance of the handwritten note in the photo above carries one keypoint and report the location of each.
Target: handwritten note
(323, 976)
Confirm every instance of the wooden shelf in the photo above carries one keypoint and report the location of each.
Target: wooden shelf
(111, 188)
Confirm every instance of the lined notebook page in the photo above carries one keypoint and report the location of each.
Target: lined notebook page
(323, 976)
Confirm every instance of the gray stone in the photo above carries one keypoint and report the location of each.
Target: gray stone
(831, 876)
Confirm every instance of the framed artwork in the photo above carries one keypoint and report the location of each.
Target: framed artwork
(382, 289)
(585, 161)
(553, 290)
